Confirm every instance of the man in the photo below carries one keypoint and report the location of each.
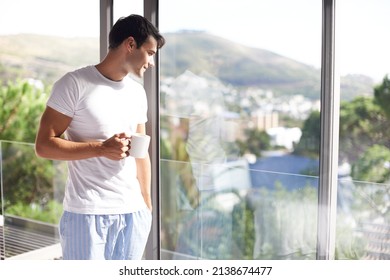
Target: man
(107, 203)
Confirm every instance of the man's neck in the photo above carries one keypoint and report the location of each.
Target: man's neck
(111, 68)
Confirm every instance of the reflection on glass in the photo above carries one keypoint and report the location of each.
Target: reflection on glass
(363, 228)
(237, 181)
(363, 224)
(209, 126)
(238, 221)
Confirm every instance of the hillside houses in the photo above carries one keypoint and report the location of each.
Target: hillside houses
(204, 96)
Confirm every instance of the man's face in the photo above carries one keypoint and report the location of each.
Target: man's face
(142, 58)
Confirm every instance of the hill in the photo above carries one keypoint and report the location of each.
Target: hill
(47, 58)
(242, 66)
(236, 64)
(44, 57)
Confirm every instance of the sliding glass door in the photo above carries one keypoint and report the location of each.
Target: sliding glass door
(363, 224)
(239, 129)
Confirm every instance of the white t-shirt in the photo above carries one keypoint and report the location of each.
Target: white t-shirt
(100, 108)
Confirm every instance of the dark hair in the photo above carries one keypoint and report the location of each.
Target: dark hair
(135, 26)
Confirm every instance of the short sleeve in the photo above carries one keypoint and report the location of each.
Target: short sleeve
(64, 95)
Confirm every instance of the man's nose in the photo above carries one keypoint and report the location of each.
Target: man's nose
(151, 62)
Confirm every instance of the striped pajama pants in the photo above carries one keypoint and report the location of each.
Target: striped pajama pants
(104, 237)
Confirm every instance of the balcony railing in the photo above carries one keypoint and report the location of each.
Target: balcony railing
(246, 213)
(30, 206)
(260, 214)
(28, 239)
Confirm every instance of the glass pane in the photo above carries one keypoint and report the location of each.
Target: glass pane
(32, 191)
(123, 8)
(44, 44)
(240, 90)
(363, 225)
(36, 49)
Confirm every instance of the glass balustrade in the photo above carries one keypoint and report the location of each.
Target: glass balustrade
(259, 214)
(31, 204)
(243, 214)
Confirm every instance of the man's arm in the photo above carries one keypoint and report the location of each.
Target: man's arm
(49, 144)
(144, 173)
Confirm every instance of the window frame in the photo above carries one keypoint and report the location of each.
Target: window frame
(329, 145)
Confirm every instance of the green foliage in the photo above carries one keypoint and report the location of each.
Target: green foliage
(362, 124)
(26, 179)
(373, 165)
(22, 104)
(382, 95)
(30, 181)
(49, 213)
(255, 142)
(349, 245)
(309, 144)
(286, 222)
(244, 229)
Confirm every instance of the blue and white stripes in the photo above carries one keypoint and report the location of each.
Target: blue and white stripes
(104, 237)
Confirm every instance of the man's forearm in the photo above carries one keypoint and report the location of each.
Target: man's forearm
(144, 178)
(57, 148)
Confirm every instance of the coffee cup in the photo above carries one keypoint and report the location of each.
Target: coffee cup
(139, 145)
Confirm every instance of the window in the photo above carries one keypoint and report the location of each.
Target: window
(239, 158)
(40, 41)
(124, 8)
(363, 228)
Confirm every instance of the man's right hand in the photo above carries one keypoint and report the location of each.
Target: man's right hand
(117, 147)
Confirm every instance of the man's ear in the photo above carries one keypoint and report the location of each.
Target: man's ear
(131, 43)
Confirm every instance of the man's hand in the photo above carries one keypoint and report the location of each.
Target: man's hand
(117, 147)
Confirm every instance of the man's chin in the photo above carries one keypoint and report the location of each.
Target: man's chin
(140, 73)
(137, 74)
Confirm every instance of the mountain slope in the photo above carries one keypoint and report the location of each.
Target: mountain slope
(231, 62)
(44, 57)
(243, 66)
(47, 58)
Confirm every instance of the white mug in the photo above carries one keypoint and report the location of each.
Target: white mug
(139, 145)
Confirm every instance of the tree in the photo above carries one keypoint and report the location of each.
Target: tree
(373, 165)
(22, 104)
(309, 143)
(27, 180)
(256, 141)
(362, 124)
(382, 95)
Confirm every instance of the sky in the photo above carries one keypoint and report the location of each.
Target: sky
(281, 26)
